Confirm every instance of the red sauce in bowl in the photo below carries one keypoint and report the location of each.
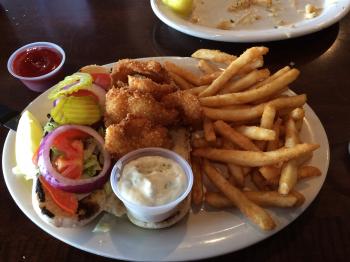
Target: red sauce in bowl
(36, 61)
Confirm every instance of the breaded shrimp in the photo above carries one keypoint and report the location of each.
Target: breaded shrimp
(147, 85)
(133, 133)
(150, 69)
(123, 101)
(187, 104)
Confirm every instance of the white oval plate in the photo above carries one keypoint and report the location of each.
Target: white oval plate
(332, 12)
(200, 235)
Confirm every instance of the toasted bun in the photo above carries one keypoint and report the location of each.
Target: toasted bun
(181, 139)
(89, 207)
(90, 69)
(181, 211)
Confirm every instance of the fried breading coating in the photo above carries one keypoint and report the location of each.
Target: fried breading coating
(150, 69)
(187, 104)
(147, 85)
(123, 101)
(133, 133)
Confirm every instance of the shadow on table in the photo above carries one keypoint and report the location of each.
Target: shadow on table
(301, 50)
(146, 244)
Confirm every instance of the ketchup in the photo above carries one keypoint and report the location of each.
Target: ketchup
(36, 61)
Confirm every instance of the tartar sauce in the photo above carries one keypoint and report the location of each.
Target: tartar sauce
(152, 181)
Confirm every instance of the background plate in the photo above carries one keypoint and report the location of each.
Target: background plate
(333, 11)
(200, 235)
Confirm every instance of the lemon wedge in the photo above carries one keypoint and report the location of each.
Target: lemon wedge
(28, 137)
(183, 7)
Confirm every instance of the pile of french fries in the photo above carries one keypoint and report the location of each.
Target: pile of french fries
(249, 147)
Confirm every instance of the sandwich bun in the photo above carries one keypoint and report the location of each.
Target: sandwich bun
(89, 207)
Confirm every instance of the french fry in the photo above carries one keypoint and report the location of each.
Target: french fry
(255, 213)
(253, 158)
(271, 199)
(292, 134)
(199, 142)
(182, 83)
(267, 119)
(232, 180)
(208, 128)
(250, 95)
(197, 188)
(274, 144)
(248, 56)
(303, 172)
(308, 171)
(246, 170)
(301, 160)
(256, 133)
(259, 181)
(299, 124)
(257, 63)
(209, 78)
(253, 112)
(235, 137)
(261, 198)
(196, 90)
(183, 73)
(299, 196)
(289, 172)
(270, 172)
(268, 116)
(278, 94)
(245, 81)
(289, 177)
(234, 107)
(214, 55)
(298, 115)
(206, 67)
(236, 172)
(272, 77)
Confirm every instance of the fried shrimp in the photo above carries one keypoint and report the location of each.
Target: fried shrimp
(133, 133)
(123, 101)
(147, 85)
(150, 69)
(188, 105)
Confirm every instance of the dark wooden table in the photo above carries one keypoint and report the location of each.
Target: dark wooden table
(103, 31)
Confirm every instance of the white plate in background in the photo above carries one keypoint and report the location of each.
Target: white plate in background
(332, 12)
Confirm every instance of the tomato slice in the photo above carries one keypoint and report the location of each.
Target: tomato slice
(71, 162)
(84, 92)
(65, 200)
(101, 79)
(35, 156)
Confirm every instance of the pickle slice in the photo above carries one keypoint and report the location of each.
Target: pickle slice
(80, 110)
(71, 84)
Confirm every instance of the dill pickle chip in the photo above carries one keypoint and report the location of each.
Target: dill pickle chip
(71, 84)
(80, 110)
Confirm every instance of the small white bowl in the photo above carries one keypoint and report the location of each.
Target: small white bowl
(43, 82)
(151, 213)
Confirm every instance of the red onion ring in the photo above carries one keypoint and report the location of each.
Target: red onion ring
(100, 93)
(97, 90)
(55, 179)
